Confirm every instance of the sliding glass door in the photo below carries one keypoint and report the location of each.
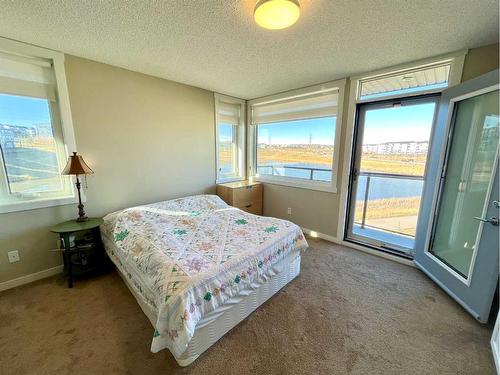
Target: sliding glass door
(390, 155)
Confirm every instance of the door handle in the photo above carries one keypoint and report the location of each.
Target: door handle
(491, 220)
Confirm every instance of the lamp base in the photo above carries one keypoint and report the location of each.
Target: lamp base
(81, 212)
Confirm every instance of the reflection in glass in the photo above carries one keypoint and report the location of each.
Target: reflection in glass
(472, 158)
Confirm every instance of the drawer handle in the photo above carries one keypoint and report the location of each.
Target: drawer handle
(248, 206)
(248, 187)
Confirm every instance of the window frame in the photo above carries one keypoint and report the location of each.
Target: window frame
(457, 60)
(240, 139)
(63, 110)
(330, 186)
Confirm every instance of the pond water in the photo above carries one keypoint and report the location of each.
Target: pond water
(380, 187)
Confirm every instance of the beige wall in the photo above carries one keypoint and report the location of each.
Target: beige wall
(479, 61)
(318, 210)
(147, 140)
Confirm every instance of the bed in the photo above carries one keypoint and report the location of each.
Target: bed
(197, 266)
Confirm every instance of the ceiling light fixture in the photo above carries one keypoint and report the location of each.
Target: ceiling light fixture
(276, 14)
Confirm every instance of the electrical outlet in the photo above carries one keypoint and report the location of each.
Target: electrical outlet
(13, 256)
(289, 211)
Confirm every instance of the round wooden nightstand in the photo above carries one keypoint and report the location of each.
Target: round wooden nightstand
(81, 246)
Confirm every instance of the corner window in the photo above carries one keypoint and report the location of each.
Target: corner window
(294, 137)
(230, 136)
(32, 138)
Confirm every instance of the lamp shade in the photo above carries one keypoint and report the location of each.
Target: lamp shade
(76, 166)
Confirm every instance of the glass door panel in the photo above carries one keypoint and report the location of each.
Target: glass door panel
(467, 181)
(457, 241)
(391, 152)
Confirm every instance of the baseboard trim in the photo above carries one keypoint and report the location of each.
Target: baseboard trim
(323, 236)
(9, 284)
(364, 249)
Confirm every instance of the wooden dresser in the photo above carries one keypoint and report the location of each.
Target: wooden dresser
(245, 195)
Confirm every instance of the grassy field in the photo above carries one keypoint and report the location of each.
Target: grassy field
(389, 208)
(320, 155)
(225, 157)
(39, 143)
(413, 165)
(323, 155)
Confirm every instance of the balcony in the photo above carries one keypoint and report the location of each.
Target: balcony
(386, 205)
(386, 208)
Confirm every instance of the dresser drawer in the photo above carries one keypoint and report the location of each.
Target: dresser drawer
(247, 194)
(252, 208)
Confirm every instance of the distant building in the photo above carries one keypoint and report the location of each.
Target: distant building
(11, 136)
(44, 130)
(410, 148)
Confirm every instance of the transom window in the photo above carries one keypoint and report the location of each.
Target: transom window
(293, 137)
(427, 78)
(230, 134)
(32, 146)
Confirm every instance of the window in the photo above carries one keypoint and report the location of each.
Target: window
(33, 140)
(299, 149)
(433, 77)
(230, 134)
(294, 137)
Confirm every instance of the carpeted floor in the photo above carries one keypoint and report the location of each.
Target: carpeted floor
(347, 313)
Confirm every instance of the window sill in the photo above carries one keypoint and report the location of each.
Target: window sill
(36, 204)
(228, 179)
(328, 187)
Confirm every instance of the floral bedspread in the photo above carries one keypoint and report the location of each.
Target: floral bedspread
(185, 257)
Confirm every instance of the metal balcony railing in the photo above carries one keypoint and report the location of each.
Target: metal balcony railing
(310, 170)
(274, 170)
(369, 176)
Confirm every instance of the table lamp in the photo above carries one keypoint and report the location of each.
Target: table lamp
(76, 166)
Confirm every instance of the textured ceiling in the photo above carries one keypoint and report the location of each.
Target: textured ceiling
(215, 44)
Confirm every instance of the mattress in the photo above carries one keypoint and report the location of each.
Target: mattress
(188, 257)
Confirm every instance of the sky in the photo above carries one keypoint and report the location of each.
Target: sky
(405, 123)
(23, 111)
(315, 131)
